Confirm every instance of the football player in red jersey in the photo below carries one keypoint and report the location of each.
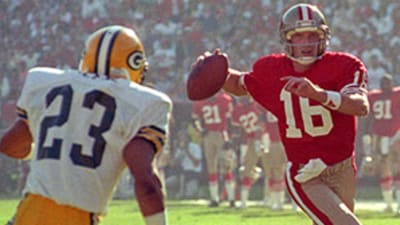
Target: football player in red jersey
(212, 117)
(383, 136)
(273, 161)
(245, 116)
(316, 96)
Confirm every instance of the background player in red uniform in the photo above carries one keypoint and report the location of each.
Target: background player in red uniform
(213, 115)
(273, 161)
(245, 116)
(382, 128)
(316, 96)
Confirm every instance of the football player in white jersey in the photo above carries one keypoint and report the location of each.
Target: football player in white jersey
(87, 126)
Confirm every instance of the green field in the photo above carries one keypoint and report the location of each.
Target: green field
(197, 213)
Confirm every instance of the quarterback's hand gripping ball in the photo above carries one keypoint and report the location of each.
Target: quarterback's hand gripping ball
(208, 75)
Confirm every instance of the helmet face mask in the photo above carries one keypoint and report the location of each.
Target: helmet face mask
(114, 51)
(303, 18)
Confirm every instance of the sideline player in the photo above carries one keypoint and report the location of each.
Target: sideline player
(87, 126)
(316, 96)
(273, 161)
(245, 116)
(383, 136)
(211, 117)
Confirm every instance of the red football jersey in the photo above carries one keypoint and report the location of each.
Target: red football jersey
(246, 116)
(386, 112)
(307, 128)
(215, 111)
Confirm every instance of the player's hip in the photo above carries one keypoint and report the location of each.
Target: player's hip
(331, 170)
(322, 196)
(329, 155)
(38, 210)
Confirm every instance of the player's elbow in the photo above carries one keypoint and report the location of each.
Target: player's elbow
(355, 104)
(363, 110)
(356, 108)
(361, 106)
(16, 142)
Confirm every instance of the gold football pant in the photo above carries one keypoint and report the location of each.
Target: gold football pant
(327, 199)
(38, 210)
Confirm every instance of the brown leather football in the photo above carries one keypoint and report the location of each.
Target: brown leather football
(207, 76)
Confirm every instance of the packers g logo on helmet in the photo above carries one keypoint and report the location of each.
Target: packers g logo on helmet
(114, 49)
(135, 60)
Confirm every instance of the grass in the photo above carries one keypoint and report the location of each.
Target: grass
(197, 213)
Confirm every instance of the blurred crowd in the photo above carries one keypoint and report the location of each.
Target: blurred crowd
(175, 32)
(45, 33)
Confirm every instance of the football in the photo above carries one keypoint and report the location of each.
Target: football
(207, 76)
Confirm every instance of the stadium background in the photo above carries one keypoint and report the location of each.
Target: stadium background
(46, 33)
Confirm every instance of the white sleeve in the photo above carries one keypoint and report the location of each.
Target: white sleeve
(155, 122)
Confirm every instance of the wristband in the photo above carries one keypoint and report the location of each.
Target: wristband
(333, 100)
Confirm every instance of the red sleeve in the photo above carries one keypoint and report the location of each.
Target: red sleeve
(355, 74)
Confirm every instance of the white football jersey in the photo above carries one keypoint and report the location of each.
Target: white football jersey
(80, 124)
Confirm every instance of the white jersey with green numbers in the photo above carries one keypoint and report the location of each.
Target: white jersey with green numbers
(80, 124)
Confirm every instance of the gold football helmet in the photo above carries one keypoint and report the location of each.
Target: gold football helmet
(114, 50)
(300, 18)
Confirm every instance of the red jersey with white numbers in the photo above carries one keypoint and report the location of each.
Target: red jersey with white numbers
(214, 112)
(246, 116)
(386, 112)
(307, 128)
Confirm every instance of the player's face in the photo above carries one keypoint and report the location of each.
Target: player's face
(305, 44)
